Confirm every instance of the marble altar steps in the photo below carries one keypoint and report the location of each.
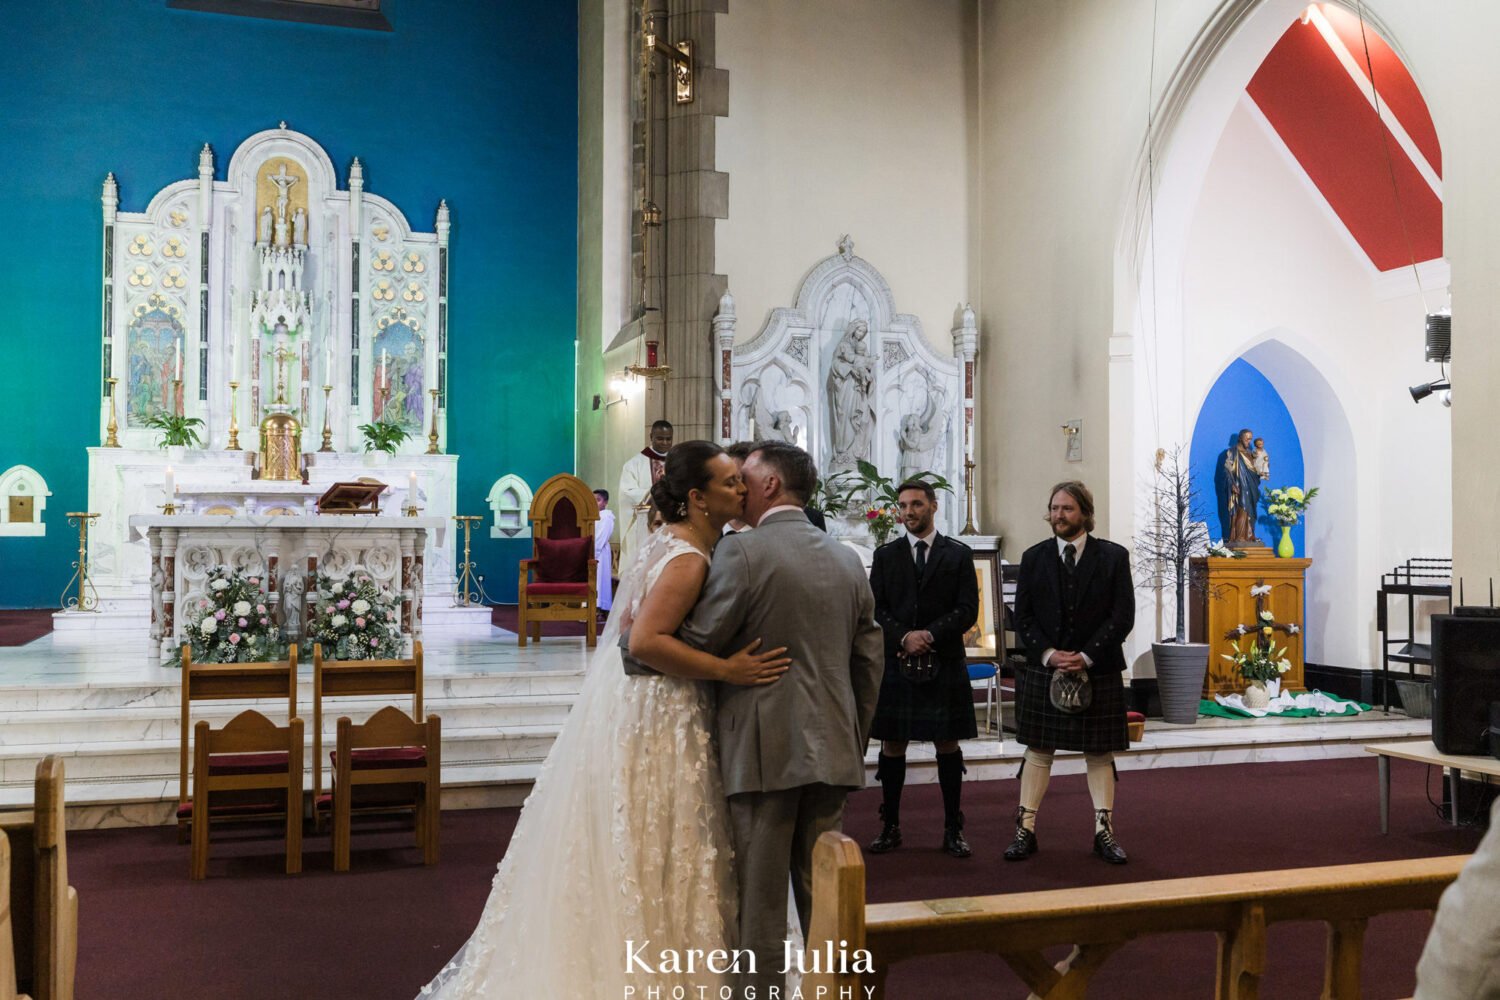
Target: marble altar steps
(120, 741)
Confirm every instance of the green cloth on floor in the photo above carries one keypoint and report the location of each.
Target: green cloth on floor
(1207, 706)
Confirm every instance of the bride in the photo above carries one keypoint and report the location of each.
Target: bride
(625, 835)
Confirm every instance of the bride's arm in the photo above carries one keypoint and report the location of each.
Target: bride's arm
(653, 640)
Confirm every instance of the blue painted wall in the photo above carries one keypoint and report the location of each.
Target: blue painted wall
(1243, 397)
(470, 100)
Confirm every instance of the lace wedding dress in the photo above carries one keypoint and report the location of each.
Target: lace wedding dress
(623, 838)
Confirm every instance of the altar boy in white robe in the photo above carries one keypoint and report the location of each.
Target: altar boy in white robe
(640, 473)
(604, 528)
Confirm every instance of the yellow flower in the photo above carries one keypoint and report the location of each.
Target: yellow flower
(1295, 492)
(1266, 630)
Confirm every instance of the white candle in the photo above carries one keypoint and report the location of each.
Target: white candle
(177, 349)
(170, 486)
(231, 360)
(328, 364)
(385, 375)
(411, 488)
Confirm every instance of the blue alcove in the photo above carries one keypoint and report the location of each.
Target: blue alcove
(1243, 397)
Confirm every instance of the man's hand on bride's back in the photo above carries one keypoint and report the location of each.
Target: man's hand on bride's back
(750, 669)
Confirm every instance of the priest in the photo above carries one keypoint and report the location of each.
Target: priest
(640, 473)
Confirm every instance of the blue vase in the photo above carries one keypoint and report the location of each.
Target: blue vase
(1284, 548)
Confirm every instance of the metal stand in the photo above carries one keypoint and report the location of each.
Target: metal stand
(969, 528)
(112, 430)
(467, 591)
(432, 437)
(87, 598)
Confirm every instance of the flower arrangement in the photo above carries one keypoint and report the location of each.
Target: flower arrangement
(881, 521)
(354, 618)
(1219, 550)
(1262, 662)
(233, 623)
(1288, 505)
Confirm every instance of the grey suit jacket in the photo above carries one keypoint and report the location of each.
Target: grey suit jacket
(1462, 958)
(791, 585)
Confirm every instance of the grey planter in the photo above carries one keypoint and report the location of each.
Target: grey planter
(1180, 669)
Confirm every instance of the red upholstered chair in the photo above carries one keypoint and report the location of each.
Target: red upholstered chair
(560, 580)
(236, 681)
(388, 750)
(357, 678)
(254, 754)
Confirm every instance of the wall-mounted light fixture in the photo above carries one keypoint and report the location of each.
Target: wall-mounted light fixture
(679, 57)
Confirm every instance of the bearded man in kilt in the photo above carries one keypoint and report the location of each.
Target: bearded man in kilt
(926, 598)
(1075, 605)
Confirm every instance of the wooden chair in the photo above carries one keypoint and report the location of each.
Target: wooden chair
(389, 749)
(560, 580)
(43, 907)
(7, 937)
(229, 681)
(340, 678)
(254, 754)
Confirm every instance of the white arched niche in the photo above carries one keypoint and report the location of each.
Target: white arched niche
(22, 483)
(510, 503)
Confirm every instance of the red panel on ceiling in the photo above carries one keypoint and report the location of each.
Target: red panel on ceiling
(1331, 129)
(1397, 89)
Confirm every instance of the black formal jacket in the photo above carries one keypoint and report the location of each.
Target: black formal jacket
(1105, 611)
(944, 602)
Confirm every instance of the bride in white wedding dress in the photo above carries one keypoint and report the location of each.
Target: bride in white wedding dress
(625, 835)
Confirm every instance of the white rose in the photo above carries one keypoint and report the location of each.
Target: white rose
(219, 585)
(241, 609)
(339, 621)
(208, 626)
(360, 606)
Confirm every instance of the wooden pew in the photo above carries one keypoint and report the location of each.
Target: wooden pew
(43, 907)
(1099, 920)
(7, 937)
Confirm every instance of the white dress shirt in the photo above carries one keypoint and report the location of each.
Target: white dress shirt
(930, 538)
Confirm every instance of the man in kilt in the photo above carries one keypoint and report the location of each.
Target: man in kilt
(1075, 604)
(926, 598)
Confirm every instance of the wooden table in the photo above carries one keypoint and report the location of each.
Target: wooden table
(1425, 753)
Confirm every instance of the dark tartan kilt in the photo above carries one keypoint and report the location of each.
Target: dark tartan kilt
(1097, 729)
(940, 709)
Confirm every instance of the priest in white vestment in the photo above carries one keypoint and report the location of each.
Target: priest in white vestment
(604, 529)
(640, 473)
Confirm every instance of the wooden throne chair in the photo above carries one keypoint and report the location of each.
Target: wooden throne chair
(560, 580)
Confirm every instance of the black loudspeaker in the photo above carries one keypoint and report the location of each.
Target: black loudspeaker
(1465, 680)
(1494, 730)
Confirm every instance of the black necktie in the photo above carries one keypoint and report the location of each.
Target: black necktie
(1070, 559)
(921, 558)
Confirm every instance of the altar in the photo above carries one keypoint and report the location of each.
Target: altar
(263, 337)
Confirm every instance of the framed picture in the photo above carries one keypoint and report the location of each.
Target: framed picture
(980, 642)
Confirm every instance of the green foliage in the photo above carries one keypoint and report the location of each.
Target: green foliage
(843, 492)
(176, 431)
(232, 623)
(383, 435)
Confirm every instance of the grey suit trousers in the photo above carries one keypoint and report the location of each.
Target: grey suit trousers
(774, 833)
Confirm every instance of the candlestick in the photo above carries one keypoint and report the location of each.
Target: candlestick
(112, 429)
(234, 422)
(177, 395)
(327, 427)
(432, 437)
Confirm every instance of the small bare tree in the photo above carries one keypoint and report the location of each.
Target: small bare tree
(1176, 530)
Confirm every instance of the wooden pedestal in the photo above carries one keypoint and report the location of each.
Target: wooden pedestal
(1229, 603)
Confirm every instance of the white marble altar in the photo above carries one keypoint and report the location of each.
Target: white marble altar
(849, 378)
(286, 552)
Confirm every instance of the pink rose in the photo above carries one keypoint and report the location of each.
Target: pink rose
(219, 614)
(265, 621)
(360, 622)
(374, 643)
(243, 623)
(871, 515)
(255, 579)
(343, 604)
(234, 638)
(260, 609)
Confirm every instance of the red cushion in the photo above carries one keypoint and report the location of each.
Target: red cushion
(1134, 717)
(380, 758)
(563, 560)
(557, 589)
(247, 763)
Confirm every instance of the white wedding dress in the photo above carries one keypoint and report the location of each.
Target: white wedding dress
(624, 838)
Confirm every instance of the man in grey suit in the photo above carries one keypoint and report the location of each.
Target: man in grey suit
(790, 751)
(1462, 958)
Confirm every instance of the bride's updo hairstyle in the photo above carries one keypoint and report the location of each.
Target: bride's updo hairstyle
(687, 470)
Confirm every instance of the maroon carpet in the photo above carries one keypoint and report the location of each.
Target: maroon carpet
(381, 930)
(17, 628)
(505, 616)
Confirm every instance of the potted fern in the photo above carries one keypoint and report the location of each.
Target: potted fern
(382, 438)
(177, 431)
(1176, 530)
